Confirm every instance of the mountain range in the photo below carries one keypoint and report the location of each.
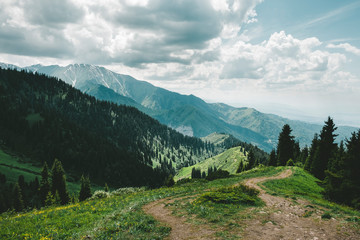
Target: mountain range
(187, 114)
(44, 118)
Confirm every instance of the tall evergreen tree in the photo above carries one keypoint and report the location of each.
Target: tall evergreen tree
(353, 158)
(240, 167)
(313, 148)
(325, 149)
(18, 201)
(272, 158)
(44, 183)
(85, 190)
(304, 153)
(285, 147)
(251, 160)
(59, 182)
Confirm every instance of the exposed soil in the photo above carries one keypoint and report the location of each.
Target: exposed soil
(180, 229)
(281, 218)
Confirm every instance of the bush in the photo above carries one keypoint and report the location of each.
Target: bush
(290, 162)
(217, 175)
(122, 191)
(231, 195)
(326, 215)
(100, 194)
(169, 181)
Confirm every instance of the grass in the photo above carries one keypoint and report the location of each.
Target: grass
(240, 194)
(119, 216)
(303, 185)
(12, 167)
(228, 160)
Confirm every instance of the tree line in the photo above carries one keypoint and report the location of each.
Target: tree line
(50, 190)
(337, 166)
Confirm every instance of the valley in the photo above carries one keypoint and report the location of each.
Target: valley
(179, 120)
(185, 113)
(162, 182)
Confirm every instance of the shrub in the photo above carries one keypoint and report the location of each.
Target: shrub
(217, 175)
(169, 181)
(231, 195)
(290, 162)
(326, 215)
(100, 194)
(122, 191)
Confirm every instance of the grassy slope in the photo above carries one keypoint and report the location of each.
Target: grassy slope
(216, 138)
(228, 160)
(13, 166)
(304, 185)
(121, 216)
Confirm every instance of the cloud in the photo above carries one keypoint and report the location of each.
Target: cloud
(54, 13)
(19, 36)
(132, 33)
(346, 46)
(281, 62)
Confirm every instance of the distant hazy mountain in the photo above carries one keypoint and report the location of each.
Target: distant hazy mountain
(269, 125)
(185, 113)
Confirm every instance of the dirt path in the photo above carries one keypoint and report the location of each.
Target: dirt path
(286, 219)
(280, 219)
(180, 229)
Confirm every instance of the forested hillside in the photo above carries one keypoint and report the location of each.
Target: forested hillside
(336, 165)
(185, 113)
(45, 118)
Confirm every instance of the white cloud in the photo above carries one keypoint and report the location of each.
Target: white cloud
(346, 46)
(191, 46)
(280, 62)
(131, 33)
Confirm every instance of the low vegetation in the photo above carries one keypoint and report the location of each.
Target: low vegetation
(240, 194)
(117, 215)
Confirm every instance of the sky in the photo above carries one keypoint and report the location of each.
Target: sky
(297, 59)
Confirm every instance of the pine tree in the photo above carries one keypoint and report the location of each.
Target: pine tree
(106, 188)
(325, 149)
(342, 182)
(272, 158)
(353, 158)
(313, 148)
(251, 160)
(18, 202)
(59, 182)
(49, 200)
(304, 153)
(285, 147)
(44, 184)
(240, 167)
(85, 190)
